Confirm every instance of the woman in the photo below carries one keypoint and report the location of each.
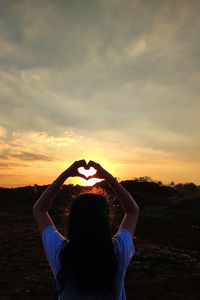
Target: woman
(89, 264)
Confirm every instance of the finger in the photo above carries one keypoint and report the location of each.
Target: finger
(87, 167)
(92, 164)
(91, 176)
(96, 175)
(81, 163)
(81, 175)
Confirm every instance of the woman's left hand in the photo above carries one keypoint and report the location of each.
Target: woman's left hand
(73, 169)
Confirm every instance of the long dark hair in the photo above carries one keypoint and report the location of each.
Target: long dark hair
(88, 260)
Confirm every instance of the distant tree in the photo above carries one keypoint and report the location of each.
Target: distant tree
(148, 192)
(144, 179)
(187, 189)
(159, 182)
(171, 184)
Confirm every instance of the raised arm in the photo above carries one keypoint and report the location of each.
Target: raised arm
(40, 209)
(130, 207)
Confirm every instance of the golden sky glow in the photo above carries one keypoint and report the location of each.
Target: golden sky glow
(116, 82)
(88, 172)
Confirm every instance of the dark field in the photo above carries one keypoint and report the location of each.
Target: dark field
(166, 264)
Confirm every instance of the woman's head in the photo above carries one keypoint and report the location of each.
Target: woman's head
(88, 219)
(88, 261)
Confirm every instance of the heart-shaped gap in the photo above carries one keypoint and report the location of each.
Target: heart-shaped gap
(87, 172)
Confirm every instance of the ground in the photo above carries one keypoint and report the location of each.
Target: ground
(166, 264)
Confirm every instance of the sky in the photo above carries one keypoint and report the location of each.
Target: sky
(114, 81)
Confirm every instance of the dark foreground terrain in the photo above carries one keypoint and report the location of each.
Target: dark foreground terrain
(166, 264)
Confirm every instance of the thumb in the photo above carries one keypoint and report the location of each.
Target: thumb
(92, 176)
(95, 176)
(83, 176)
(91, 164)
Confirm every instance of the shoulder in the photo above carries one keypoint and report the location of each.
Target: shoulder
(124, 235)
(52, 239)
(50, 231)
(53, 242)
(124, 245)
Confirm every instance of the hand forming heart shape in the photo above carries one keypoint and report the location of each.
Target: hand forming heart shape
(91, 172)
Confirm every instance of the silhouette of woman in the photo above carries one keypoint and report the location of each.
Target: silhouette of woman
(88, 264)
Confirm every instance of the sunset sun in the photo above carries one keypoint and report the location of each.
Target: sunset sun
(87, 172)
(90, 172)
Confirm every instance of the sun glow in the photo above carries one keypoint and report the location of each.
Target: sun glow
(90, 181)
(88, 172)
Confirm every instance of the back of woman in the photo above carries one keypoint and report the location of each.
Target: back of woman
(89, 264)
(124, 258)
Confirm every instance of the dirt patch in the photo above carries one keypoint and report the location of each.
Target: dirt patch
(166, 264)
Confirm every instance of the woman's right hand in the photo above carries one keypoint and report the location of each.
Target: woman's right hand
(101, 172)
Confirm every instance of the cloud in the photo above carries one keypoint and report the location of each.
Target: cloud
(2, 132)
(11, 165)
(136, 48)
(3, 156)
(100, 73)
(31, 156)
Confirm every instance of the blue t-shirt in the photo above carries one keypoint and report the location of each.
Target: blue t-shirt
(53, 242)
